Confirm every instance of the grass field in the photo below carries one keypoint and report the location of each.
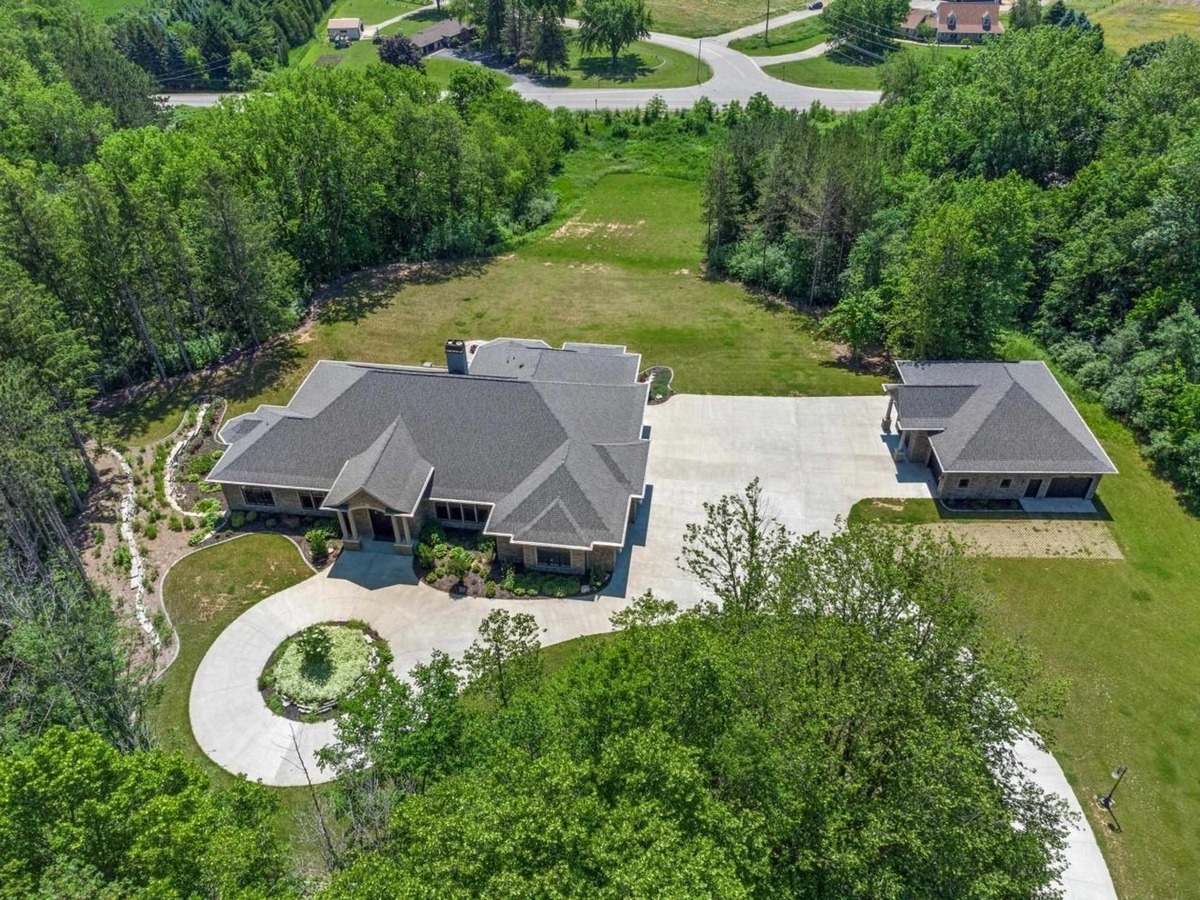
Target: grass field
(789, 39)
(836, 71)
(1128, 23)
(204, 592)
(701, 18)
(640, 65)
(625, 268)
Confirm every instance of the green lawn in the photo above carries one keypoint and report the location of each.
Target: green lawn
(837, 71)
(626, 269)
(701, 18)
(415, 23)
(640, 65)
(1128, 23)
(789, 39)
(204, 592)
(372, 12)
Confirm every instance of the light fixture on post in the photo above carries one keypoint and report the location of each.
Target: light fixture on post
(1107, 800)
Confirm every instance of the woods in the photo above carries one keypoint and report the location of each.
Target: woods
(1037, 184)
(806, 741)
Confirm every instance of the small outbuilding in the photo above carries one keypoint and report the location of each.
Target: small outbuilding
(344, 29)
(994, 431)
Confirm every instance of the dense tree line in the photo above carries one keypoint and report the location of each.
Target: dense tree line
(1037, 182)
(164, 249)
(214, 43)
(78, 819)
(806, 739)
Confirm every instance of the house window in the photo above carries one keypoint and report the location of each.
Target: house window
(257, 497)
(311, 500)
(964, 482)
(558, 559)
(1005, 482)
(467, 513)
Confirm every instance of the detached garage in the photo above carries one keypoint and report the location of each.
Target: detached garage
(344, 29)
(994, 431)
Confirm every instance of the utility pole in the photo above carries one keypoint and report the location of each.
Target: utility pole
(699, 61)
(767, 27)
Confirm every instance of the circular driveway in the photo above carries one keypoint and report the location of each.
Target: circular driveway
(231, 721)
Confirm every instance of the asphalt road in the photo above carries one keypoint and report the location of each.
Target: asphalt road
(736, 76)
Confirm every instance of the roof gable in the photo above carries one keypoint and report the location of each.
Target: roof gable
(997, 417)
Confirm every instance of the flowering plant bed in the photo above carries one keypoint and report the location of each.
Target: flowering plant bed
(460, 561)
(314, 669)
(660, 383)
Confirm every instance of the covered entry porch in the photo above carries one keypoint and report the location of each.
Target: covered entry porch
(367, 525)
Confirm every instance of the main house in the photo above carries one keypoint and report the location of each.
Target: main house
(993, 430)
(541, 449)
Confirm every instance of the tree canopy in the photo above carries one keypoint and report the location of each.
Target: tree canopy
(825, 735)
(612, 25)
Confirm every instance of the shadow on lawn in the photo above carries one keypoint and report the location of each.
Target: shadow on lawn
(355, 298)
(239, 376)
(629, 68)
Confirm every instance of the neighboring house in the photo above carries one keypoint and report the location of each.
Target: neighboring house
(916, 18)
(991, 430)
(967, 21)
(344, 29)
(447, 33)
(542, 449)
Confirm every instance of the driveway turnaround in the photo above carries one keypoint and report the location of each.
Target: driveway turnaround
(815, 457)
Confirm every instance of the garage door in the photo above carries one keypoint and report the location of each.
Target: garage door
(1069, 487)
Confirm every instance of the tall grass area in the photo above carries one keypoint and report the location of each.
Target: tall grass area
(1128, 23)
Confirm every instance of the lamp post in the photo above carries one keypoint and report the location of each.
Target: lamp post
(1107, 800)
(767, 28)
(699, 59)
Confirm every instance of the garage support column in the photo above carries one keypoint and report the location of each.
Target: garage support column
(407, 534)
(396, 530)
(342, 525)
(1091, 491)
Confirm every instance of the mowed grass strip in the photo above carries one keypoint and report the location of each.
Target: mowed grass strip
(791, 38)
(834, 70)
(204, 592)
(701, 18)
(625, 268)
(640, 65)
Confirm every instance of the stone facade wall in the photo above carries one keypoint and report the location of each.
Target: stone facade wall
(603, 558)
(990, 487)
(287, 501)
(920, 449)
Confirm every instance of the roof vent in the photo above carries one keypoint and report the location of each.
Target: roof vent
(456, 356)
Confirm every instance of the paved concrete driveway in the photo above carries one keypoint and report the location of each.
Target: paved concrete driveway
(815, 457)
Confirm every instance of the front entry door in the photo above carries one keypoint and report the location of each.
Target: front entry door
(381, 525)
(1035, 485)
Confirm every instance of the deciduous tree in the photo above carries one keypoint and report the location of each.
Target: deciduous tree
(612, 25)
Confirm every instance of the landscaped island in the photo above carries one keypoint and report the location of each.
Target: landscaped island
(313, 670)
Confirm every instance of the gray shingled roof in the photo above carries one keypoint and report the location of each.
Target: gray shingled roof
(1010, 418)
(536, 361)
(559, 459)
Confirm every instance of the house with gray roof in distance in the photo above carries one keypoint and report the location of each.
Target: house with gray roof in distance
(994, 430)
(541, 449)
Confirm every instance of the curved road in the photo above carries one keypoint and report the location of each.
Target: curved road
(736, 76)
